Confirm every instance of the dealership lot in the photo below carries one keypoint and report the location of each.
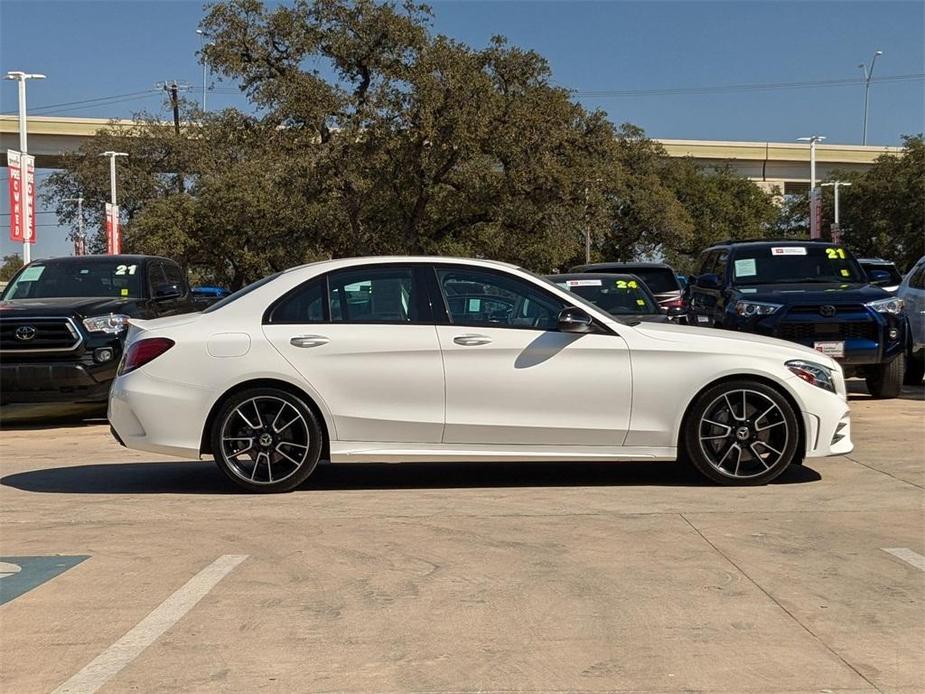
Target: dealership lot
(465, 577)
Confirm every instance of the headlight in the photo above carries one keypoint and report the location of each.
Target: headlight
(113, 323)
(813, 373)
(892, 305)
(755, 308)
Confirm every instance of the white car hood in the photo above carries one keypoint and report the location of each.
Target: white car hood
(730, 341)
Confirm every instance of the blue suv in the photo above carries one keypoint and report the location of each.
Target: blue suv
(810, 292)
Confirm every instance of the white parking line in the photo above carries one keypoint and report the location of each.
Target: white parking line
(160, 619)
(908, 556)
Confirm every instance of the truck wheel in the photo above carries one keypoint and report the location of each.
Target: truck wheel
(915, 368)
(886, 380)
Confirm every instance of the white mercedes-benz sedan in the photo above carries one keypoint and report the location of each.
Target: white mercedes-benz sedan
(444, 359)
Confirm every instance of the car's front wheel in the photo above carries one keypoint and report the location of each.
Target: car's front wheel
(886, 380)
(741, 433)
(266, 440)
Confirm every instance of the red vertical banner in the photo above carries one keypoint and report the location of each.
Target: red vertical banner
(16, 196)
(113, 232)
(27, 171)
(815, 213)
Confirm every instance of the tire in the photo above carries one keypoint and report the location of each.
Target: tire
(275, 425)
(915, 368)
(741, 445)
(886, 380)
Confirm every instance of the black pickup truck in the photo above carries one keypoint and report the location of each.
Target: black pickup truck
(63, 322)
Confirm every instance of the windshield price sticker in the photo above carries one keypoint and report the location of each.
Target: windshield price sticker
(835, 253)
(582, 283)
(788, 250)
(623, 284)
(746, 267)
(31, 274)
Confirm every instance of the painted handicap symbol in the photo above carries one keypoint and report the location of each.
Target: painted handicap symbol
(19, 575)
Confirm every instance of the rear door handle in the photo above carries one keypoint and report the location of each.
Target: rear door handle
(309, 340)
(472, 340)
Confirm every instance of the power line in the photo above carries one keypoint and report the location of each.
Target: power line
(735, 88)
(46, 107)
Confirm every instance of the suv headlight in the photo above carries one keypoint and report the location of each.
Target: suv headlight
(892, 305)
(813, 373)
(113, 323)
(755, 308)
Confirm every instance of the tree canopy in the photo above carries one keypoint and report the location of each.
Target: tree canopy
(371, 134)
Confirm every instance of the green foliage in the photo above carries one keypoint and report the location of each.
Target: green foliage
(418, 144)
(11, 264)
(883, 212)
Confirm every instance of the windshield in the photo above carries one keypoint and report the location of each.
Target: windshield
(94, 277)
(617, 296)
(794, 265)
(657, 279)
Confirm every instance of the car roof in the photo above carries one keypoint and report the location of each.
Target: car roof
(336, 263)
(769, 242)
(642, 265)
(128, 258)
(876, 261)
(593, 276)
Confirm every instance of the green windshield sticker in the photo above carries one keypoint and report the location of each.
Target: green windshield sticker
(746, 267)
(31, 273)
(845, 273)
(641, 302)
(474, 305)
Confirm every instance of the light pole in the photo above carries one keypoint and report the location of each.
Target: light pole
(21, 77)
(868, 73)
(113, 242)
(836, 236)
(80, 223)
(813, 197)
(205, 65)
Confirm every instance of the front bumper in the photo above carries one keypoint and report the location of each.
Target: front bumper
(65, 382)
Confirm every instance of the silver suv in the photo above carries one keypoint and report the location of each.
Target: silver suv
(912, 292)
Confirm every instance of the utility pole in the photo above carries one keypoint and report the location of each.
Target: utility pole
(81, 237)
(836, 229)
(813, 192)
(868, 73)
(21, 77)
(173, 92)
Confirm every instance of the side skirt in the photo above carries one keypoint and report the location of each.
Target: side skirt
(372, 452)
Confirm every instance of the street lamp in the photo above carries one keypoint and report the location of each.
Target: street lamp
(836, 235)
(112, 172)
(813, 196)
(205, 65)
(114, 244)
(21, 77)
(868, 73)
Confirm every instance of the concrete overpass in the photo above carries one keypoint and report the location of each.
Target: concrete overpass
(775, 166)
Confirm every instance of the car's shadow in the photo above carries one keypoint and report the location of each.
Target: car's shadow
(857, 391)
(204, 478)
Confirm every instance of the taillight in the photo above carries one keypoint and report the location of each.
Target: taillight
(141, 352)
(674, 303)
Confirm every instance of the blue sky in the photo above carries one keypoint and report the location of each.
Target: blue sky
(101, 49)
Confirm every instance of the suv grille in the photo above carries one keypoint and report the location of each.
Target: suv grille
(839, 310)
(38, 335)
(866, 330)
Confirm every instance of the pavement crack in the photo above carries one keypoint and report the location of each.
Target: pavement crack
(780, 605)
(883, 472)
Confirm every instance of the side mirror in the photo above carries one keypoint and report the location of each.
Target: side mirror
(709, 281)
(879, 277)
(574, 320)
(167, 290)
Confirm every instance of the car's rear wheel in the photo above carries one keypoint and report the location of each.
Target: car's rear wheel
(886, 380)
(266, 440)
(915, 368)
(742, 433)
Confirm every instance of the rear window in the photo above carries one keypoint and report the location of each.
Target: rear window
(657, 279)
(895, 277)
(619, 297)
(241, 292)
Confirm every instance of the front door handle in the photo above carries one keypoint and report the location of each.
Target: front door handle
(308, 340)
(471, 340)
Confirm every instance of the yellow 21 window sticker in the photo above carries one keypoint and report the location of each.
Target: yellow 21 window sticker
(835, 253)
(623, 284)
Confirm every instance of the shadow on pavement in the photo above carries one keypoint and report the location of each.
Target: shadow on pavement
(204, 478)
